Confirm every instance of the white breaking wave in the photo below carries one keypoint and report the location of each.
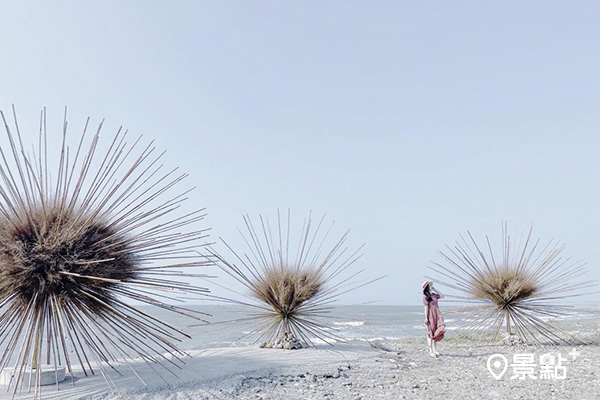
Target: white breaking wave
(350, 323)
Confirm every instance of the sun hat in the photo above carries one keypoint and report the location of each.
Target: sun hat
(426, 283)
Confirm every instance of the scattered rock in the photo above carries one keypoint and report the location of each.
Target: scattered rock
(511, 340)
(287, 342)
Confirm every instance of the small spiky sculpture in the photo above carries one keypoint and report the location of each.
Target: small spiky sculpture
(291, 297)
(75, 249)
(520, 288)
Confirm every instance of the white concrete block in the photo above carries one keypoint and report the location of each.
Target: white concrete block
(49, 375)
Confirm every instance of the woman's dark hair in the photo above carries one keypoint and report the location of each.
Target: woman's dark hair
(427, 293)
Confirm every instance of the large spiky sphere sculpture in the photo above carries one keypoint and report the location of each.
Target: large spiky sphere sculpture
(291, 283)
(76, 249)
(521, 285)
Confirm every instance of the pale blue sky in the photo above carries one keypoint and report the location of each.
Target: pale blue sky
(407, 121)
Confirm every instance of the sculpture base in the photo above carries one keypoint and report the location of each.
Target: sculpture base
(49, 375)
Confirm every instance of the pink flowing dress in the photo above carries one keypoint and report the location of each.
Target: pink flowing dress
(436, 327)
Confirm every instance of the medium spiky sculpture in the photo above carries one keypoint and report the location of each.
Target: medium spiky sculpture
(291, 295)
(74, 250)
(522, 288)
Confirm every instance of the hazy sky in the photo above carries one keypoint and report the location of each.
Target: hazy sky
(409, 122)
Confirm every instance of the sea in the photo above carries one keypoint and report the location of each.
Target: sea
(228, 326)
(362, 323)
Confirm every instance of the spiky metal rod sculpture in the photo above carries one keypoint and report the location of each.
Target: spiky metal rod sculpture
(76, 249)
(521, 288)
(287, 293)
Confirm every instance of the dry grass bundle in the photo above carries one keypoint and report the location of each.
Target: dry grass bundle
(291, 296)
(286, 288)
(504, 286)
(75, 249)
(522, 289)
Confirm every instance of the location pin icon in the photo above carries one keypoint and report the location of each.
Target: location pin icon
(497, 365)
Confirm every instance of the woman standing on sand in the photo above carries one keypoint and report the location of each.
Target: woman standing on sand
(433, 317)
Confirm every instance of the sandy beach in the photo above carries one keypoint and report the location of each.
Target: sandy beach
(398, 369)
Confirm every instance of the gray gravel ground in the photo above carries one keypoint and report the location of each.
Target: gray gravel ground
(404, 370)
